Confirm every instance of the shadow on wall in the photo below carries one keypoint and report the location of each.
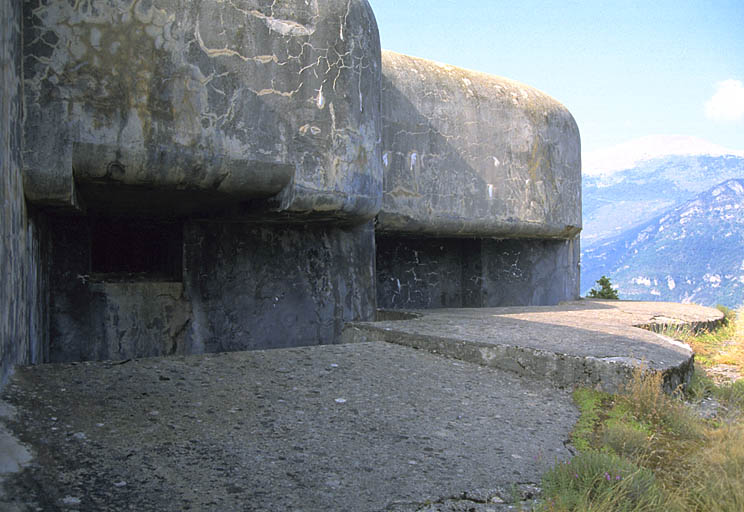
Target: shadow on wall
(241, 286)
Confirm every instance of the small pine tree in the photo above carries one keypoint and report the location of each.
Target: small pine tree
(606, 291)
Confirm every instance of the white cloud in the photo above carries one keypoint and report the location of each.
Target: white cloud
(727, 104)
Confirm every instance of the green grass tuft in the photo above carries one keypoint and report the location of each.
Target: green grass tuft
(593, 479)
(589, 403)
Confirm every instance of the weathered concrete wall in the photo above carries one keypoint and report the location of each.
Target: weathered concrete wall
(96, 319)
(213, 100)
(522, 272)
(422, 273)
(471, 155)
(257, 112)
(466, 153)
(216, 166)
(243, 286)
(267, 287)
(22, 243)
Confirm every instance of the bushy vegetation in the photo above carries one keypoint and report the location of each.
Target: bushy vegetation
(645, 450)
(605, 291)
(597, 479)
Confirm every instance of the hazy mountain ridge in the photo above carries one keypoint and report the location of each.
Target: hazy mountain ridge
(624, 199)
(694, 252)
(630, 154)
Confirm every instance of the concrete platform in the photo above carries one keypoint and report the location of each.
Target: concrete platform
(359, 426)
(588, 342)
(367, 426)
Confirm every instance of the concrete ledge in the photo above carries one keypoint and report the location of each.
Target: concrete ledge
(360, 426)
(589, 343)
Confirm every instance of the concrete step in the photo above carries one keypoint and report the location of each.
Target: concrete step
(588, 342)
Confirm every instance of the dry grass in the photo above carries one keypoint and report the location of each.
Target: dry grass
(645, 397)
(645, 450)
(717, 479)
(724, 346)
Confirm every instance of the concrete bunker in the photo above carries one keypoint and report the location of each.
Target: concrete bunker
(210, 171)
(481, 190)
(210, 177)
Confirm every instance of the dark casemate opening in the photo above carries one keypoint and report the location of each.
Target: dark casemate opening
(132, 249)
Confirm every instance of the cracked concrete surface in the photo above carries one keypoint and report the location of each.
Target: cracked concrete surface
(204, 96)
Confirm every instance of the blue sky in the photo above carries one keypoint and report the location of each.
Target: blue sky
(625, 69)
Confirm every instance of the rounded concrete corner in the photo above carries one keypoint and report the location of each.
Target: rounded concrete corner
(471, 154)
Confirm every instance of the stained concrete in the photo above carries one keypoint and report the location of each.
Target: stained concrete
(243, 137)
(206, 102)
(367, 426)
(199, 172)
(237, 286)
(445, 272)
(481, 190)
(589, 342)
(24, 245)
(255, 286)
(471, 154)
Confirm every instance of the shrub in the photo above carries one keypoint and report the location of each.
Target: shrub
(606, 291)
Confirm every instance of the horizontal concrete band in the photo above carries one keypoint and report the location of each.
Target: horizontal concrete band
(494, 226)
(186, 169)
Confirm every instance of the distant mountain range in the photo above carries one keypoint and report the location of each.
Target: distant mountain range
(615, 202)
(668, 228)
